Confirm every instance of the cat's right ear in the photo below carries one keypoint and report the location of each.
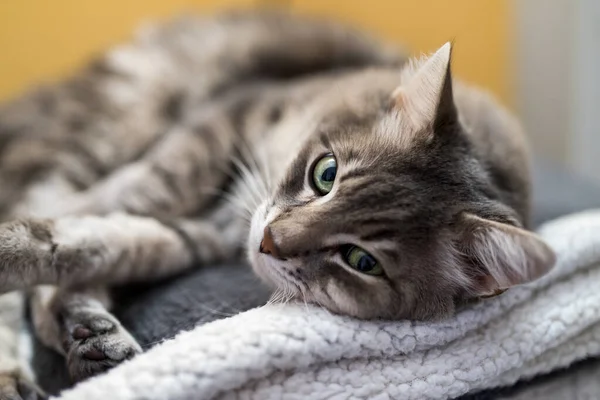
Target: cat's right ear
(496, 256)
(425, 97)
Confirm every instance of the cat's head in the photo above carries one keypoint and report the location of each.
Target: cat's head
(393, 216)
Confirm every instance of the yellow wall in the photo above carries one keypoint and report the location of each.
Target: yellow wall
(47, 39)
(481, 30)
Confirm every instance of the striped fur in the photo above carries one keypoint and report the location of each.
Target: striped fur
(179, 148)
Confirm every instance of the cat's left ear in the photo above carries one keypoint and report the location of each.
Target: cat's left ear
(496, 256)
(427, 99)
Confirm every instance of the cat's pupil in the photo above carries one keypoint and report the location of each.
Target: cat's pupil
(329, 174)
(366, 263)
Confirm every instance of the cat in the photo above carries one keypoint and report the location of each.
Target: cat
(349, 177)
(62, 142)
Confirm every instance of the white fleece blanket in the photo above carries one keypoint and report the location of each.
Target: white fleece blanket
(299, 352)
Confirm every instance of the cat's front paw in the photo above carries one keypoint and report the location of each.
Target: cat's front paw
(26, 253)
(13, 386)
(97, 345)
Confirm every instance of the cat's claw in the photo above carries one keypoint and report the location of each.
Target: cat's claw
(97, 345)
(13, 386)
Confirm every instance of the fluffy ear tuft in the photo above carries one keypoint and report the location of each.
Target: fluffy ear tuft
(427, 95)
(500, 255)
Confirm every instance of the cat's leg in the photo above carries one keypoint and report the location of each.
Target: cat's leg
(15, 381)
(117, 248)
(15, 386)
(73, 252)
(79, 325)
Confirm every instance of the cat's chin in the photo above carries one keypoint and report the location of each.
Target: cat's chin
(261, 263)
(269, 270)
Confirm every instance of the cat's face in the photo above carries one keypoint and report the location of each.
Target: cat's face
(377, 217)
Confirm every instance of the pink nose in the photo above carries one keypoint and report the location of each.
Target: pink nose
(268, 246)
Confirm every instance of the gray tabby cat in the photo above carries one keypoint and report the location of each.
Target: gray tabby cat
(375, 190)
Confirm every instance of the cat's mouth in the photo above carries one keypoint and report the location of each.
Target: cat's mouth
(271, 270)
(262, 264)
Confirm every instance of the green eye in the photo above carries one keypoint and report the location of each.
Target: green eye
(324, 174)
(362, 261)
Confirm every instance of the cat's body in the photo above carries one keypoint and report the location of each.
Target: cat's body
(420, 173)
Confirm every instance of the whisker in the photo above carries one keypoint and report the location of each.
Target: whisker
(251, 157)
(304, 299)
(151, 344)
(257, 165)
(224, 303)
(214, 312)
(317, 301)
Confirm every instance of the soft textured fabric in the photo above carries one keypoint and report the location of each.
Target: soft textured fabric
(298, 352)
(159, 311)
(580, 381)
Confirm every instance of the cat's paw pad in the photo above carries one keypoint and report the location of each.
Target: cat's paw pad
(14, 387)
(97, 346)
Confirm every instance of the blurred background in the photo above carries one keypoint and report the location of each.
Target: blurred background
(539, 57)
